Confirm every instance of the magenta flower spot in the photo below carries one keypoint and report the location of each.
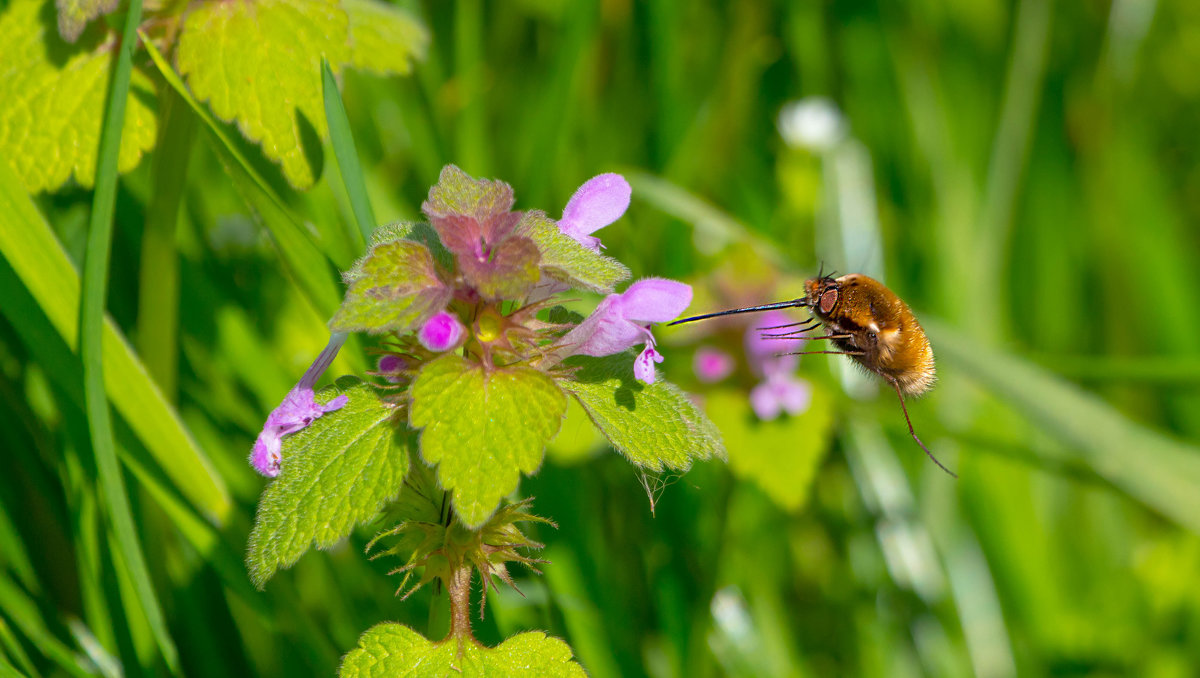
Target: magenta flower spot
(600, 201)
(623, 320)
(441, 332)
(298, 409)
(712, 364)
(643, 365)
(780, 393)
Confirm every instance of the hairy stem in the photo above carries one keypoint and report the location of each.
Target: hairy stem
(459, 588)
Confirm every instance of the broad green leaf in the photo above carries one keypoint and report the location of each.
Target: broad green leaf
(391, 649)
(457, 193)
(74, 15)
(781, 456)
(653, 425)
(420, 232)
(301, 257)
(53, 98)
(396, 290)
(483, 428)
(337, 473)
(259, 63)
(384, 38)
(33, 251)
(1161, 472)
(567, 261)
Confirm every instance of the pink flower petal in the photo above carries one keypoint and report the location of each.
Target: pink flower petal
(600, 201)
(643, 365)
(655, 300)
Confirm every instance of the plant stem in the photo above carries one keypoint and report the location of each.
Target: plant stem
(459, 588)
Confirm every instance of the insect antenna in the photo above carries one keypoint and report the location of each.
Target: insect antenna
(913, 433)
(749, 309)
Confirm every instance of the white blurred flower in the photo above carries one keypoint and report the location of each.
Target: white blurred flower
(814, 123)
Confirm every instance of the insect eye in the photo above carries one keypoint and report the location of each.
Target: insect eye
(828, 300)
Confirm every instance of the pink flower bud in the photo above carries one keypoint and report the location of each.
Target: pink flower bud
(441, 332)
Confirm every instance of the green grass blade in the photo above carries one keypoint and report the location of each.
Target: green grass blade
(25, 616)
(1161, 472)
(303, 261)
(344, 150)
(43, 267)
(9, 642)
(91, 329)
(158, 288)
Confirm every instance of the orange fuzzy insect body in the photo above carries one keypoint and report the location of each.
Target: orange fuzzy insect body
(875, 328)
(867, 322)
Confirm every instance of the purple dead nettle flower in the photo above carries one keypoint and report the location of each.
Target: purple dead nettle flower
(712, 364)
(442, 332)
(623, 320)
(780, 390)
(298, 410)
(600, 201)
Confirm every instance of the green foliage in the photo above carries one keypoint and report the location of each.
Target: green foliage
(384, 39)
(44, 269)
(565, 260)
(337, 473)
(655, 426)
(54, 96)
(483, 428)
(74, 15)
(457, 193)
(781, 456)
(396, 289)
(260, 64)
(393, 650)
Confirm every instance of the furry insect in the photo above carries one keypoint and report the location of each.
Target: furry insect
(868, 322)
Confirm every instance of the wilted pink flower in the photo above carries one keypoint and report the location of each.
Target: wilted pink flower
(712, 364)
(623, 320)
(441, 332)
(298, 409)
(780, 390)
(600, 201)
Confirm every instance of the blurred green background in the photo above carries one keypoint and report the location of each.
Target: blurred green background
(1025, 174)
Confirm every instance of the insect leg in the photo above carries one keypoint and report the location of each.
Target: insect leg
(913, 433)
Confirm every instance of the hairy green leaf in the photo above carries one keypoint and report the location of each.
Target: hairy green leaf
(396, 289)
(653, 425)
(337, 473)
(259, 63)
(74, 15)
(781, 456)
(384, 38)
(391, 649)
(483, 428)
(566, 261)
(53, 98)
(456, 193)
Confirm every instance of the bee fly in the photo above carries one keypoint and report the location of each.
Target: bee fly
(868, 322)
